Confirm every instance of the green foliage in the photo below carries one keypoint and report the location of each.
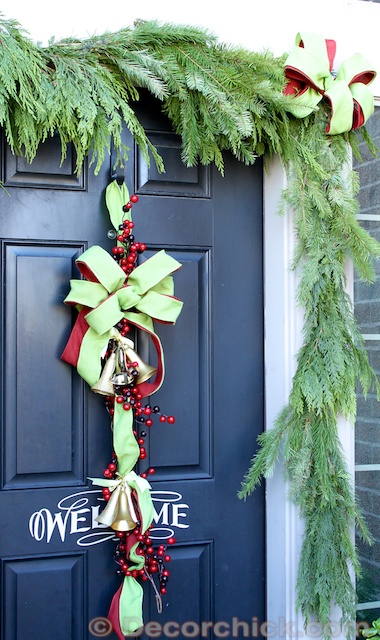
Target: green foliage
(372, 632)
(221, 98)
(330, 362)
(217, 97)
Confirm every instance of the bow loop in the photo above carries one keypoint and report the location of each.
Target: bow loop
(96, 265)
(308, 69)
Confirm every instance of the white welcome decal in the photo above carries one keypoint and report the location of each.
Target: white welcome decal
(76, 515)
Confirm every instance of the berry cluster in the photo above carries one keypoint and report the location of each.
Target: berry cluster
(154, 559)
(128, 251)
(129, 396)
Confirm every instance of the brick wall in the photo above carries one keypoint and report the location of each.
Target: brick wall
(367, 428)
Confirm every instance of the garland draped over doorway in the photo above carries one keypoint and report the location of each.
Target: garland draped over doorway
(222, 98)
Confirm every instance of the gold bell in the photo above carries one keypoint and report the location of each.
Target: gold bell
(104, 385)
(124, 513)
(145, 370)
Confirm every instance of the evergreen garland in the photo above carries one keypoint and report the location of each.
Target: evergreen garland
(221, 98)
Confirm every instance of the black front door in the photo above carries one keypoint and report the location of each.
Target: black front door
(58, 574)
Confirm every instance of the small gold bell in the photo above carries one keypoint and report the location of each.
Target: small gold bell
(104, 385)
(124, 518)
(145, 370)
(122, 376)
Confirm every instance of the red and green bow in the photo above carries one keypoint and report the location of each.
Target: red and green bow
(309, 70)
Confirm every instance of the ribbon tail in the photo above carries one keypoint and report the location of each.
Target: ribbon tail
(83, 349)
(113, 614)
(89, 364)
(144, 322)
(146, 508)
(130, 606)
(116, 198)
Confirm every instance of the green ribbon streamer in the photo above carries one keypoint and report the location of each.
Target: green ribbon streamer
(311, 64)
(124, 442)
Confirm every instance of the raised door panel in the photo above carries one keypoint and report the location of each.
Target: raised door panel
(44, 418)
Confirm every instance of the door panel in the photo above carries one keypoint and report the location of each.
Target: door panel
(55, 430)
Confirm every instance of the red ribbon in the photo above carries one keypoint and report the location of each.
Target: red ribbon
(299, 82)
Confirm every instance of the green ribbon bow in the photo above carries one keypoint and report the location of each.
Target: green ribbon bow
(310, 79)
(150, 290)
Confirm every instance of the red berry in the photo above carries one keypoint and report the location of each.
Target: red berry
(163, 590)
(112, 466)
(128, 205)
(134, 198)
(151, 471)
(172, 540)
(167, 558)
(143, 475)
(148, 422)
(171, 419)
(107, 473)
(162, 418)
(149, 550)
(126, 406)
(119, 399)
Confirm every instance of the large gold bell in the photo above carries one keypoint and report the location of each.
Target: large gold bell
(123, 518)
(104, 385)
